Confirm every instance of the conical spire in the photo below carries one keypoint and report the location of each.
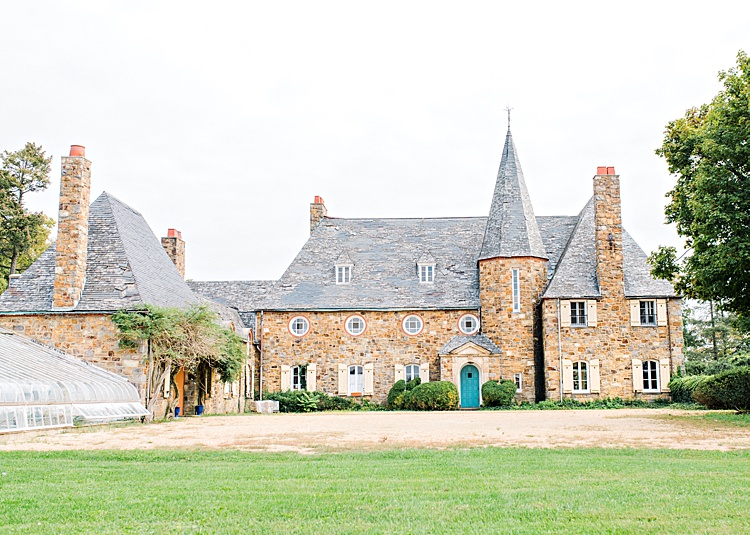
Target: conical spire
(511, 226)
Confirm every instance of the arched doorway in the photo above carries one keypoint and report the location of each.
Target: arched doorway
(469, 387)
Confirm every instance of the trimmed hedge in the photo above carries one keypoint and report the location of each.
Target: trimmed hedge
(434, 396)
(727, 390)
(304, 401)
(682, 388)
(499, 394)
(397, 394)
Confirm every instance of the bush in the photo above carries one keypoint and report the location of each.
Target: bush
(304, 401)
(397, 395)
(434, 396)
(499, 394)
(727, 390)
(682, 388)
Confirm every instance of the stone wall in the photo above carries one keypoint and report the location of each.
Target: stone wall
(615, 343)
(317, 212)
(328, 344)
(72, 233)
(174, 245)
(513, 332)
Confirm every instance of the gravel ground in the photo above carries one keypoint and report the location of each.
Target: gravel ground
(318, 432)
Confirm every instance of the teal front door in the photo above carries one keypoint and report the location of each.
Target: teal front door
(469, 386)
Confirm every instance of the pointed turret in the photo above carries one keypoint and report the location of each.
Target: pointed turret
(511, 226)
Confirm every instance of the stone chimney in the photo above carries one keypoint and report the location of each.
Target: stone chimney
(608, 227)
(175, 247)
(72, 229)
(317, 212)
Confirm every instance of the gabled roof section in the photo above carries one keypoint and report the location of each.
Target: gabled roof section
(384, 251)
(247, 297)
(511, 226)
(126, 267)
(344, 260)
(575, 275)
(455, 344)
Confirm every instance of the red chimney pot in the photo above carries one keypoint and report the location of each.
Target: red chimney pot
(601, 170)
(610, 170)
(77, 150)
(173, 233)
(318, 200)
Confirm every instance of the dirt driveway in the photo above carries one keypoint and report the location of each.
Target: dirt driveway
(310, 433)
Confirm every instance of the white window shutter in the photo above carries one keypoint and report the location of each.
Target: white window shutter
(398, 374)
(343, 380)
(286, 378)
(311, 377)
(565, 314)
(637, 375)
(664, 374)
(369, 379)
(567, 374)
(635, 313)
(424, 372)
(594, 380)
(661, 312)
(591, 312)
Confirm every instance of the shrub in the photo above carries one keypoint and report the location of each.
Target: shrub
(304, 401)
(727, 390)
(498, 394)
(434, 396)
(682, 388)
(395, 399)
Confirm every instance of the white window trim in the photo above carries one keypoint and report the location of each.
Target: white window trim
(291, 330)
(361, 381)
(518, 379)
(476, 321)
(421, 324)
(653, 305)
(301, 372)
(585, 314)
(413, 367)
(344, 273)
(516, 290)
(429, 271)
(579, 364)
(657, 371)
(348, 329)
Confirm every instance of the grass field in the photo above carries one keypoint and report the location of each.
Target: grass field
(477, 491)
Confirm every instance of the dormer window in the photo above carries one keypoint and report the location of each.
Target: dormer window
(426, 273)
(344, 274)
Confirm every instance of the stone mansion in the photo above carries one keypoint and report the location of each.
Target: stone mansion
(564, 306)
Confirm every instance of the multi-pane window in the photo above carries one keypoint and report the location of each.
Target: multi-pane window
(426, 273)
(299, 377)
(343, 274)
(299, 326)
(578, 313)
(412, 372)
(468, 324)
(413, 324)
(516, 292)
(650, 376)
(518, 379)
(648, 312)
(356, 379)
(355, 325)
(580, 376)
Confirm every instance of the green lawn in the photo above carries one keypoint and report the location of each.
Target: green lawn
(475, 491)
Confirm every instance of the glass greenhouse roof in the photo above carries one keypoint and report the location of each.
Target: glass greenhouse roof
(42, 388)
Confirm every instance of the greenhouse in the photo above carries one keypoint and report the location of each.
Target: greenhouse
(42, 388)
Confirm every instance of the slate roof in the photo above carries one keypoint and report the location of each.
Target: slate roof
(511, 226)
(478, 339)
(126, 267)
(246, 297)
(575, 276)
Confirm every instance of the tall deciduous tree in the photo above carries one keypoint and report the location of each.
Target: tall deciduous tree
(709, 151)
(23, 234)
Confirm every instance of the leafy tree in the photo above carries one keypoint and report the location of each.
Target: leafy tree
(23, 235)
(709, 151)
(715, 340)
(179, 338)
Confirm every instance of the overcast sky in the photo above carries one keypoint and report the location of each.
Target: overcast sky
(225, 119)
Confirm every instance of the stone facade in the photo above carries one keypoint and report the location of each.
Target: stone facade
(513, 330)
(384, 344)
(72, 234)
(317, 212)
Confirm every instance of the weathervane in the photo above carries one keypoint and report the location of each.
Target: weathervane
(508, 108)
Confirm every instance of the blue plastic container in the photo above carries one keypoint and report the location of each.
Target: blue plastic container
(198, 410)
(176, 412)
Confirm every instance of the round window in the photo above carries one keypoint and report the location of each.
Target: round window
(412, 324)
(468, 324)
(355, 325)
(299, 326)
